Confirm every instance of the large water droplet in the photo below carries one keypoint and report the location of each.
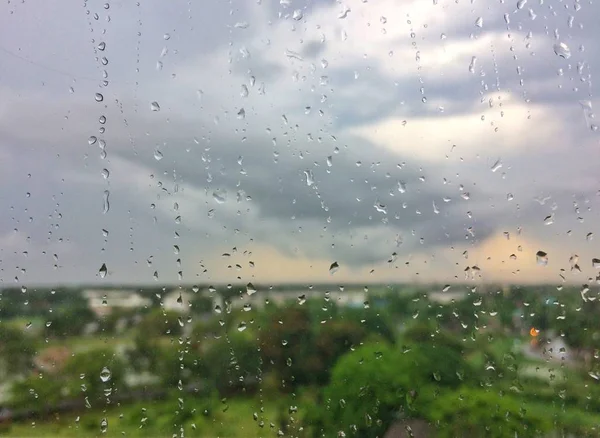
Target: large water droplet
(310, 180)
(105, 374)
(103, 270)
(154, 106)
(250, 289)
(497, 165)
(334, 268)
(562, 50)
(541, 258)
(479, 22)
(99, 97)
(106, 203)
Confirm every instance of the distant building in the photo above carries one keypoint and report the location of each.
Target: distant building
(347, 298)
(102, 302)
(446, 297)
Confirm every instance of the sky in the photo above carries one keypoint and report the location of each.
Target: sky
(263, 141)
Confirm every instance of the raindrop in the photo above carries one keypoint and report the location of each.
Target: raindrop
(158, 154)
(241, 326)
(104, 425)
(497, 165)
(521, 4)
(479, 22)
(99, 97)
(105, 374)
(220, 199)
(562, 50)
(250, 289)
(310, 180)
(106, 204)
(103, 270)
(297, 15)
(596, 263)
(154, 106)
(472, 64)
(541, 258)
(334, 268)
(92, 140)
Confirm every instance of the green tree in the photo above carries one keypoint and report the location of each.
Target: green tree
(16, 351)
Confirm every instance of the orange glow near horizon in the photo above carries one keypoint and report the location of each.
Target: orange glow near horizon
(534, 332)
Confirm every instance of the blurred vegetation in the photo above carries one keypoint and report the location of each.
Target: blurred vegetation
(310, 368)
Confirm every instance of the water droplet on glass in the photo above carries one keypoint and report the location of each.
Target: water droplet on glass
(105, 374)
(99, 97)
(104, 425)
(334, 268)
(219, 198)
(103, 270)
(472, 64)
(297, 15)
(241, 326)
(106, 204)
(309, 177)
(92, 140)
(154, 106)
(562, 50)
(497, 165)
(521, 4)
(479, 22)
(250, 289)
(596, 263)
(541, 258)
(158, 154)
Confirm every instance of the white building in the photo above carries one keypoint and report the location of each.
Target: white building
(102, 302)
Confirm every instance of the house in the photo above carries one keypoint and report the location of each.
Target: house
(102, 302)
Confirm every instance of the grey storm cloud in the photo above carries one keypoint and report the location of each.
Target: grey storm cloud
(174, 175)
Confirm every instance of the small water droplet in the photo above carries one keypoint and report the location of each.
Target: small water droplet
(241, 326)
(154, 106)
(99, 97)
(103, 270)
(158, 154)
(479, 22)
